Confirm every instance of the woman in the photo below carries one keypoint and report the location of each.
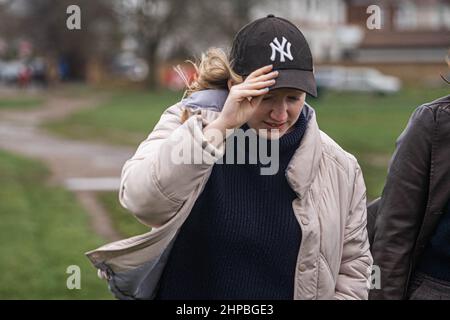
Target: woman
(410, 223)
(231, 230)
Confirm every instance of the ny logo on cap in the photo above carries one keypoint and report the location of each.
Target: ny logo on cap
(277, 46)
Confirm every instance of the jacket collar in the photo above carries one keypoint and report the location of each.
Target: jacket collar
(212, 99)
(304, 164)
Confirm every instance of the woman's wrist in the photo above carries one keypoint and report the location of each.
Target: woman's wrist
(217, 131)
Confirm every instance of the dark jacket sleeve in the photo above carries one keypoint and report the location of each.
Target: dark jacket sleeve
(402, 205)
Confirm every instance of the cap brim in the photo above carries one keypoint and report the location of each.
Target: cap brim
(296, 79)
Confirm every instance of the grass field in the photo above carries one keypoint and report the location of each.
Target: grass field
(368, 126)
(20, 103)
(124, 119)
(123, 221)
(42, 231)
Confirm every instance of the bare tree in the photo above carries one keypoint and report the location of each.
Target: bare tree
(214, 23)
(45, 24)
(7, 21)
(186, 23)
(153, 21)
(227, 17)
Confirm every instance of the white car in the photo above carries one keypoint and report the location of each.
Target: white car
(356, 79)
(130, 66)
(10, 71)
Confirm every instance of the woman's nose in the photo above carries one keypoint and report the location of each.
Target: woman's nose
(279, 114)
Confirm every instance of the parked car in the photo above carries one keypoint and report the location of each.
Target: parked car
(131, 67)
(11, 71)
(356, 79)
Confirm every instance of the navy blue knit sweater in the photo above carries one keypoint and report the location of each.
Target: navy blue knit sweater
(241, 239)
(436, 258)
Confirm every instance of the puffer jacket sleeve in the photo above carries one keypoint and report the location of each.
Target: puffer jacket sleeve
(356, 264)
(167, 167)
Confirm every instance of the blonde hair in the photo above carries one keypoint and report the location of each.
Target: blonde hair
(212, 72)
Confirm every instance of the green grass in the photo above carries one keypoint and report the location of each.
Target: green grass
(126, 118)
(363, 124)
(368, 126)
(123, 221)
(42, 231)
(20, 103)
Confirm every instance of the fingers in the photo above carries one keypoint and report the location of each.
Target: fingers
(264, 77)
(257, 85)
(260, 71)
(102, 275)
(252, 93)
(252, 89)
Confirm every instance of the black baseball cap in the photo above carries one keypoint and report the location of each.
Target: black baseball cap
(277, 41)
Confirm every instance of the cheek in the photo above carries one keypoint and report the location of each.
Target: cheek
(295, 110)
(262, 113)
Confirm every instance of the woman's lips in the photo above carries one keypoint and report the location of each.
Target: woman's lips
(274, 125)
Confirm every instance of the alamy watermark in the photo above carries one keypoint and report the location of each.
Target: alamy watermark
(242, 147)
(374, 281)
(74, 280)
(73, 22)
(374, 20)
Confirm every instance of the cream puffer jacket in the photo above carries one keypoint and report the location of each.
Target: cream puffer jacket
(334, 261)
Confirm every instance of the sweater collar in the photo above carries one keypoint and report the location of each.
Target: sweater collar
(290, 140)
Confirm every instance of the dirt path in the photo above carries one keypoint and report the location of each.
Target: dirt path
(20, 133)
